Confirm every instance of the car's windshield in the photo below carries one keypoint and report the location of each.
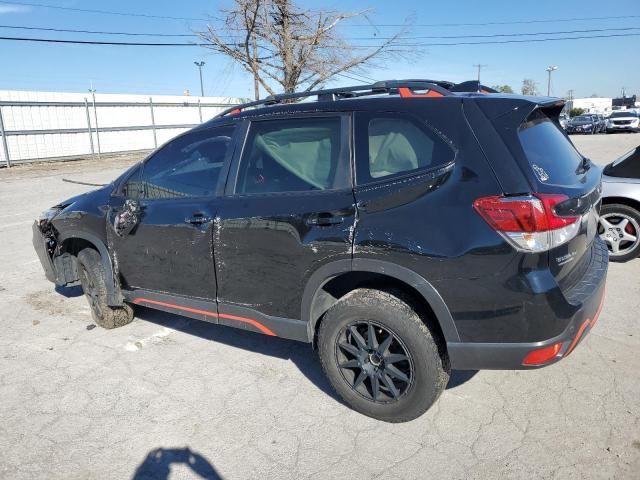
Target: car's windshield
(583, 118)
(623, 114)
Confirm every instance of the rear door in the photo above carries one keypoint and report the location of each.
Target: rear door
(289, 209)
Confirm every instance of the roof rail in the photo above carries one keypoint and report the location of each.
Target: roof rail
(404, 88)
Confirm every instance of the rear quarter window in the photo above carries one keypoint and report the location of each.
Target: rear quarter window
(551, 155)
(393, 145)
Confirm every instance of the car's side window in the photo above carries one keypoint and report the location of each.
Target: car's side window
(293, 155)
(397, 145)
(188, 166)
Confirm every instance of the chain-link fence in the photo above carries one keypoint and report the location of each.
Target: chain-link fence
(32, 130)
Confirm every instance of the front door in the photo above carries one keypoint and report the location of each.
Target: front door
(161, 224)
(289, 210)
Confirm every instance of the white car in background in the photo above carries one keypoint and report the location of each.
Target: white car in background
(623, 121)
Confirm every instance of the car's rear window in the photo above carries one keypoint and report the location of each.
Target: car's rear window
(551, 155)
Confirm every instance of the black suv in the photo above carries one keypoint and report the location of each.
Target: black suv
(403, 229)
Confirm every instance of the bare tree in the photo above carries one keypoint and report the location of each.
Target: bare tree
(503, 88)
(529, 87)
(281, 44)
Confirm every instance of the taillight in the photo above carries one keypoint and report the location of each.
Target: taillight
(529, 223)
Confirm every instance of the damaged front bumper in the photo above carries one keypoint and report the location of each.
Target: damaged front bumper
(59, 269)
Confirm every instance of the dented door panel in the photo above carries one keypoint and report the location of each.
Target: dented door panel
(166, 251)
(268, 246)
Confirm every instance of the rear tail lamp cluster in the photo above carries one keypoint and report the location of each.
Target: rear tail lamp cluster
(528, 223)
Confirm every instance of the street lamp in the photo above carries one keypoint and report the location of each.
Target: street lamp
(550, 69)
(200, 65)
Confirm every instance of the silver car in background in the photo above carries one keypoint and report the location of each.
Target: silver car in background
(620, 213)
(623, 121)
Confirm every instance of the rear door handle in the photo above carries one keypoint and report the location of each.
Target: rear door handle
(197, 219)
(324, 219)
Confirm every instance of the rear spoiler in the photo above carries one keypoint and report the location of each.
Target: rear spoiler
(472, 86)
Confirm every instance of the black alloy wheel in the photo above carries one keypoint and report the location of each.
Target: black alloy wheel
(374, 361)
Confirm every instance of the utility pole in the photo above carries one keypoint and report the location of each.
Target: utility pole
(479, 66)
(200, 65)
(550, 69)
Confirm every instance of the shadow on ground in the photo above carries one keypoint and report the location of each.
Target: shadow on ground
(157, 465)
(299, 353)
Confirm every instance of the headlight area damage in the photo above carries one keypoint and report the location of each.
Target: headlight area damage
(59, 267)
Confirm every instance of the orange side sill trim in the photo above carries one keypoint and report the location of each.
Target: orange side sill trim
(207, 313)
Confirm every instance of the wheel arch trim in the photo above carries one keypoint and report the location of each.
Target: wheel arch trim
(114, 295)
(332, 270)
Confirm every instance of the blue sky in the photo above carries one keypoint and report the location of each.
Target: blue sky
(593, 66)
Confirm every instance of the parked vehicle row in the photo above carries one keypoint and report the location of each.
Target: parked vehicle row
(591, 123)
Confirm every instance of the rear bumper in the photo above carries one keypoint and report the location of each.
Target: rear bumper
(588, 294)
(622, 128)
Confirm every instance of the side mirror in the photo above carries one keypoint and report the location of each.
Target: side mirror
(127, 220)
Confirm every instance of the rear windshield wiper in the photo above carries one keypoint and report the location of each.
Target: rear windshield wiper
(585, 165)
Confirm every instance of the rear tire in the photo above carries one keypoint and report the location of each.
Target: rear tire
(92, 279)
(381, 357)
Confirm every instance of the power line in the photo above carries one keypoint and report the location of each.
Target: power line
(66, 30)
(452, 37)
(102, 12)
(166, 17)
(495, 35)
(497, 42)
(193, 44)
(93, 42)
(511, 22)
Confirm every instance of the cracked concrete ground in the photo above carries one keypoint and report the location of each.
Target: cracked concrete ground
(168, 393)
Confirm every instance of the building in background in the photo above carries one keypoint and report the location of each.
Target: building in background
(601, 105)
(623, 103)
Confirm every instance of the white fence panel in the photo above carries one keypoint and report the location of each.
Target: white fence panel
(45, 125)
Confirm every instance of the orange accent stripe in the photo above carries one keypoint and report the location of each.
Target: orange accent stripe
(207, 313)
(250, 321)
(408, 93)
(587, 323)
(584, 325)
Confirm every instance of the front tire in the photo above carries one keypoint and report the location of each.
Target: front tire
(92, 279)
(381, 357)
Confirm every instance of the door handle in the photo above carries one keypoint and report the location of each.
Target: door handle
(324, 219)
(197, 219)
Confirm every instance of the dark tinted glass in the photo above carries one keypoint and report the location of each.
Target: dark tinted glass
(627, 166)
(551, 155)
(399, 145)
(188, 166)
(292, 156)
